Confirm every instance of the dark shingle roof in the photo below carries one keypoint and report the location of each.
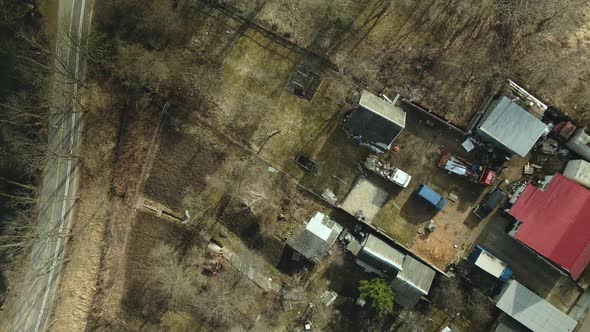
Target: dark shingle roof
(376, 120)
(315, 240)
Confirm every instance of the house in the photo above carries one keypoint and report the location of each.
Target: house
(579, 171)
(315, 240)
(375, 123)
(580, 143)
(412, 282)
(376, 256)
(531, 310)
(509, 127)
(555, 223)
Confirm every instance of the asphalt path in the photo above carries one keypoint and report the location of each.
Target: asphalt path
(58, 194)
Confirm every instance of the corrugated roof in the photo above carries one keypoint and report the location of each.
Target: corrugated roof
(412, 282)
(556, 223)
(532, 311)
(380, 255)
(383, 108)
(511, 126)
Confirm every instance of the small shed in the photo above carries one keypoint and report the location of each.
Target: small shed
(580, 143)
(378, 257)
(489, 263)
(316, 239)
(579, 171)
(531, 310)
(375, 123)
(510, 127)
(412, 282)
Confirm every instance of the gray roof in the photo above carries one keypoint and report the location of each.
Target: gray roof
(380, 255)
(412, 282)
(316, 239)
(383, 108)
(532, 311)
(376, 121)
(510, 126)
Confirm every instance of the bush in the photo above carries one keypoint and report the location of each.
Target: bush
(378, 295)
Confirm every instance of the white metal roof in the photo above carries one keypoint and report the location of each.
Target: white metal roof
(532, 311)
(383, 108)
(319, 228)
(384, 252)
(490, 264)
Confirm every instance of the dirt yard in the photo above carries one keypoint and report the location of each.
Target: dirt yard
(402, 217)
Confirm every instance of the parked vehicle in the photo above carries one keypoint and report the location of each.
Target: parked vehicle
(387, 171)
(489, 263)
(474, 173)
(431, 197)
(490, 202)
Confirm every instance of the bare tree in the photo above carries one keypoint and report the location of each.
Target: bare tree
(449, 295)
(169, 277)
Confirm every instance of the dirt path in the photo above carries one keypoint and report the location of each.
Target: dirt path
(76, 292)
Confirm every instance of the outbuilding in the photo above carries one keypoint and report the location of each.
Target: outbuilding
(579, 171)
(314, 242)
(375, 123)
(509, 127)
(412, 283)
(376, 256)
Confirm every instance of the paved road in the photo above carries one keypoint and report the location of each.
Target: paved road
(58, 195)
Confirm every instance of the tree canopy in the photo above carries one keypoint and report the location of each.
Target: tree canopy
(378, 295)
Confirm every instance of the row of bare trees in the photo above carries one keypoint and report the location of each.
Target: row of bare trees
(29, 105)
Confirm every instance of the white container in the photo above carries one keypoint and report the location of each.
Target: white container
(579, 171)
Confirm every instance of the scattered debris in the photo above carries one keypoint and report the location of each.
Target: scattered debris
(549, 146)
(361, 302)
(387, 171)
(187, 217)
(329, 196)
(453, 197)
(431, 227)
(328, 297)
(214, 247)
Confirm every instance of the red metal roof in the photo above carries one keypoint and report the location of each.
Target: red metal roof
(556, 223)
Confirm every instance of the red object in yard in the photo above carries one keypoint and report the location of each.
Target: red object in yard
(556, 223)
(459, 166)
(564, 130)
(488, 177)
